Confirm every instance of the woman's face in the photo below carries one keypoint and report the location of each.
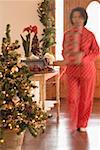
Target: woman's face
(77, 19)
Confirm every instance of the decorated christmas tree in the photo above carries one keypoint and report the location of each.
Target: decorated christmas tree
(48, 36)
(18, 111)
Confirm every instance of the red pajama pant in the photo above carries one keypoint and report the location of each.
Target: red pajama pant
(81, 83)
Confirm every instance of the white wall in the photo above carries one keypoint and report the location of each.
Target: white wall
(20, 14)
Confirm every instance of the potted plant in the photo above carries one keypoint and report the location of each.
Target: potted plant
(18, 111)
(31, 44)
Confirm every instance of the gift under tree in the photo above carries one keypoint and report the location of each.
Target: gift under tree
(18, 111)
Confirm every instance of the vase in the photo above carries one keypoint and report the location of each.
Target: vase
(12, 141)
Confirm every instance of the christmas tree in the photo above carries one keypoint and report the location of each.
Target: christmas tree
(48, 36)
(18, 111)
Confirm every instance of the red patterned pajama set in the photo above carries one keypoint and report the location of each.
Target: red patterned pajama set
(81, 80)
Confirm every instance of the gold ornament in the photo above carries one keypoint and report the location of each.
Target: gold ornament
(15, 99)
(1, 75)
(4, 92)
(1, 141)
(14, 69)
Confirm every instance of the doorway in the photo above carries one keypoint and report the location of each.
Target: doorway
(93, 23)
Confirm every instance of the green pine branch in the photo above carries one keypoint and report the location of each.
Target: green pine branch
(48, 35)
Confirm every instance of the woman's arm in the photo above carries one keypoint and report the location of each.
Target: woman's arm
(71, 50)
(93, 52)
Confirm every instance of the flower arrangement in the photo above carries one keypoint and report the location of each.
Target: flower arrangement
(18, 111)
(26, 42)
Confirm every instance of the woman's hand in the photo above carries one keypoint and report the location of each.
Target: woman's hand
(74, 58)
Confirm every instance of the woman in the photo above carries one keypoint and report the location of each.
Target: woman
(79, 51)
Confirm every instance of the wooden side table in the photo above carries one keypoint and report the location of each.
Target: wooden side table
(42, 78)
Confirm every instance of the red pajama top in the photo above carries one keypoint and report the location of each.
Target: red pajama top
(90, 48)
